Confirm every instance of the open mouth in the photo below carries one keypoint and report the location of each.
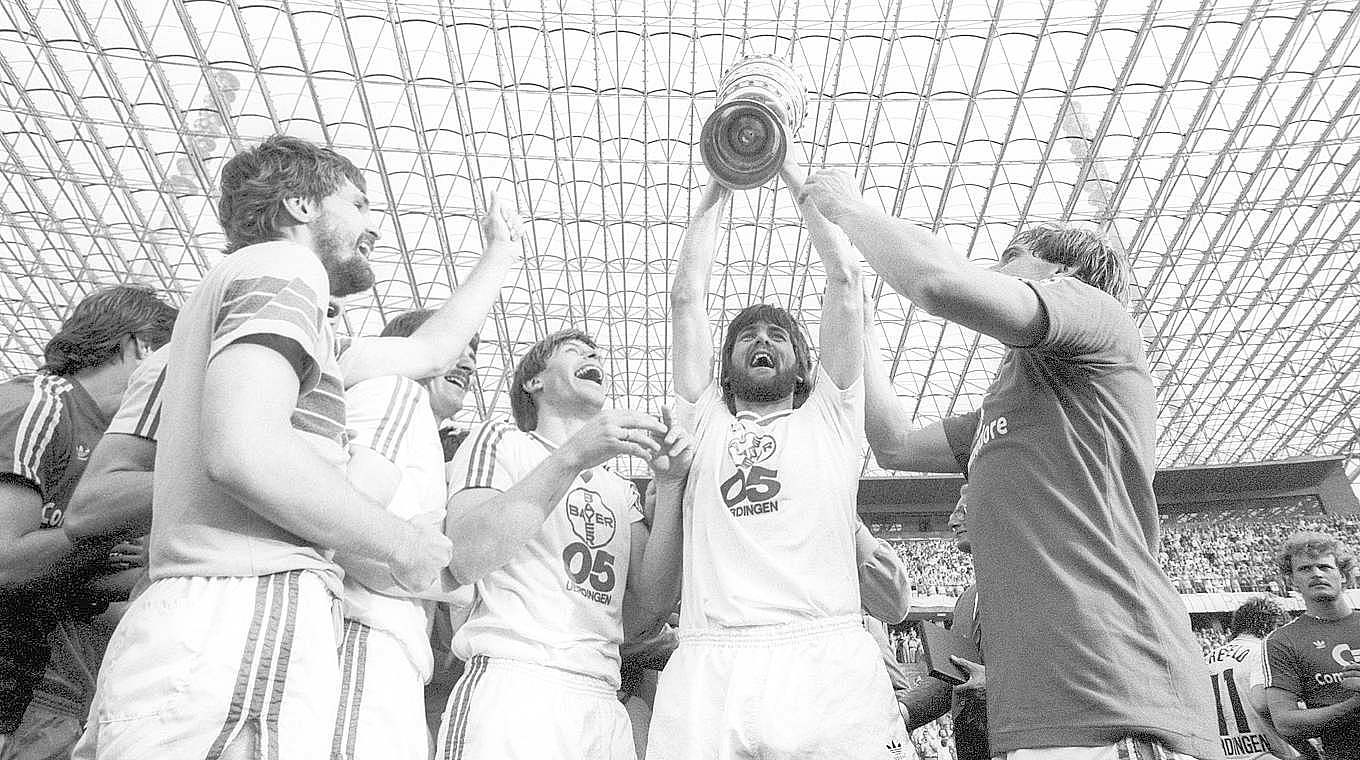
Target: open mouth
(762, 358)
(366, 244)
(592, 373)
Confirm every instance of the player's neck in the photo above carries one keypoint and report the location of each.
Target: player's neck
(105, 384)
(763, 408)
(557, 425)
(1332, 610)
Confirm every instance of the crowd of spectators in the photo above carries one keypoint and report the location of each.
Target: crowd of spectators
(1216, 552)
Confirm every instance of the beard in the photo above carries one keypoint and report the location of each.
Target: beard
(778, 386)
(348, 274)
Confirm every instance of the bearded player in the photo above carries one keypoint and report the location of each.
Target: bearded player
(773, 660)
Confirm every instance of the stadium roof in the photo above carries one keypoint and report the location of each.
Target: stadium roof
(1216, 141)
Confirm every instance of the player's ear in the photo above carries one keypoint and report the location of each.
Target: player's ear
(533, 384)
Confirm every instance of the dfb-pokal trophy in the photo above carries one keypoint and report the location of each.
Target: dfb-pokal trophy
(761, 103)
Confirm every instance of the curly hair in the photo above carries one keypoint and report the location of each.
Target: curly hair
(257, 181)
(94, 333)
(1312, 544)
(522, 404)
(775, 315)
(1094, 259)
(1258, 616)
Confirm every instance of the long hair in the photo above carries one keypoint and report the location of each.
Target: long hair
(802, 350)
(1095, 261)
(257, 181)
(94, 333)
(1313, 544)
(522, 404)
(1258, 616)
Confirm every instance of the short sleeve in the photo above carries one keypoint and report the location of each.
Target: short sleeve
(884, 582)
(840, 409)
(283, 297)
(1084, 321)
(380, 412)
(139, 413)
(485, 460)
(696, 416)
(1282, 671)
(958, 432)
(33, 436)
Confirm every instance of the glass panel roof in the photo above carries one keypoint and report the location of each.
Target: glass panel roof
(1216, 142)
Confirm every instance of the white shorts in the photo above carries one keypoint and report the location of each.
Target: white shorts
(199, 663)
(382, 699)
(510, 710)
(1124, 749)
(806, 690)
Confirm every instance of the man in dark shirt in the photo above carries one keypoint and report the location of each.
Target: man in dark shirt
(49, 423)
(1089, 648)
(1316, 658)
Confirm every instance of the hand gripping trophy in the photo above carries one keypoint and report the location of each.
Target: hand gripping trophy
(761, 103)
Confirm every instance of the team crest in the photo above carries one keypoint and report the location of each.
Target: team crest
(747, 447)
(591, 520)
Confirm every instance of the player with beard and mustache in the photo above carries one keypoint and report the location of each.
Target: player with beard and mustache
(773, 658)
(231, 651)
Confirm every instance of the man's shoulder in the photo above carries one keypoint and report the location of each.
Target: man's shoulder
(1288, 635)
(254, 266)
(18, 393)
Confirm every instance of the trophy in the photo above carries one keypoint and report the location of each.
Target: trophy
(761, 103)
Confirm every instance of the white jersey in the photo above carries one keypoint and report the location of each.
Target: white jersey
(1234, 669)
(769, 510)
(559, 602)
(391, 415)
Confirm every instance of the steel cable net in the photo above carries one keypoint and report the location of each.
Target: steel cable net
(1216, 143)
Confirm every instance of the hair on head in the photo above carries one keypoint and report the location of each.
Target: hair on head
(257, 181)
(94, 333)
(522, 404)
(1094, 259)
(774, 315)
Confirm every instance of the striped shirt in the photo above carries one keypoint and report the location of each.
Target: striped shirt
(391, 415)
(276, 290)
(48, 427)
(559, 601)
(139, 413)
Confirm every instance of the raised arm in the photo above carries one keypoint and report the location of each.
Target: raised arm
(489, 527)
(896, 444)
(842, 322)
(691, 337)
(249, 394)
(437, 344)
(923, 267)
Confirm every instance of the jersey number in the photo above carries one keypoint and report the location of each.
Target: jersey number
(759, 484)
(581, 563)
(1223, 682)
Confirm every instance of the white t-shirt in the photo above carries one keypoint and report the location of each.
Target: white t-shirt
(1234, 668)
(559, 601)
(769, 510)
(391, 415)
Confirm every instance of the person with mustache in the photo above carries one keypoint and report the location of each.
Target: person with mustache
(773, 660)
(1315, 659)
(230, 652)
